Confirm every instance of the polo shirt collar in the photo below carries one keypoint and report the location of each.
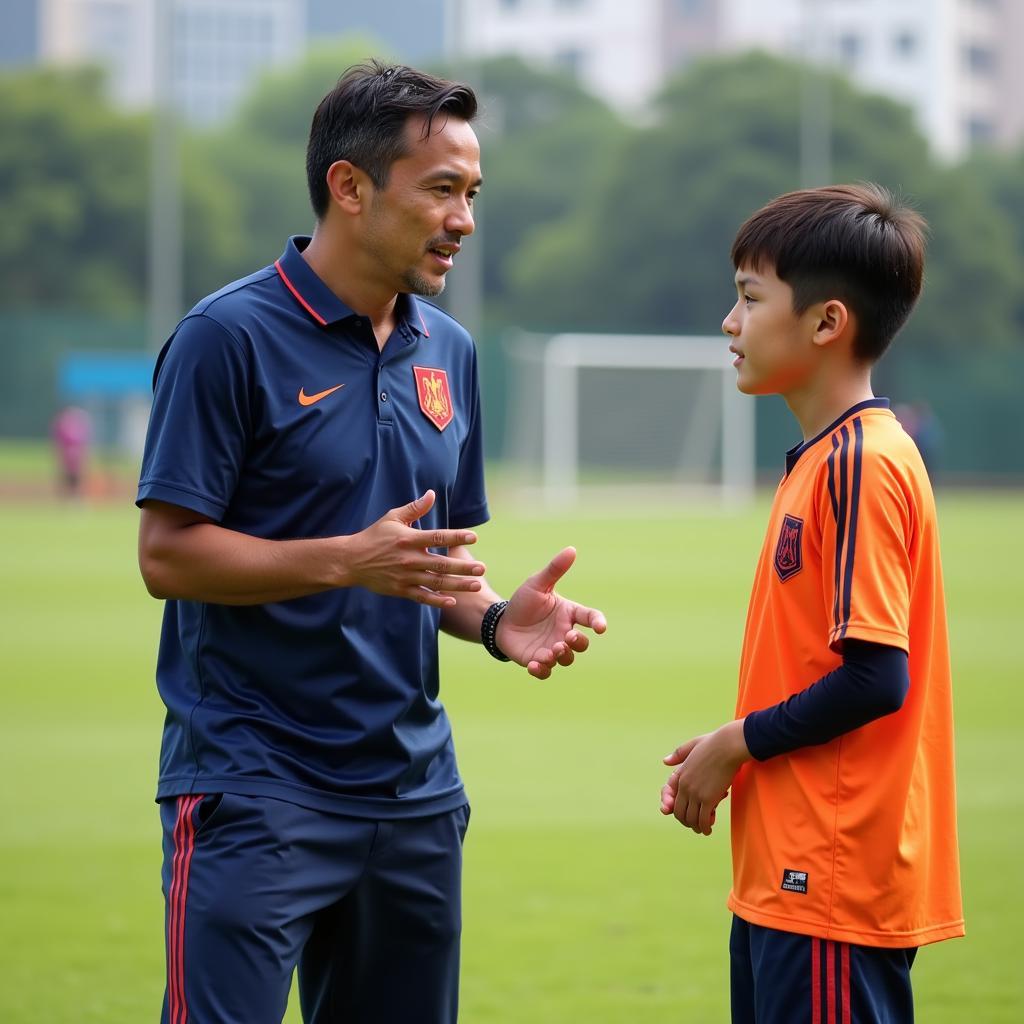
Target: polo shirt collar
(322, 305)
(797, 450)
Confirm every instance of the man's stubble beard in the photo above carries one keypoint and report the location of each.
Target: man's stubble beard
(415, 282)
(419, 285)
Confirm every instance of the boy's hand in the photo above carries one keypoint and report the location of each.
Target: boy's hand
(706, 767)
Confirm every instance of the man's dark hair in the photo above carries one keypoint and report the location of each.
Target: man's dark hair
(362, 120)
(855, 243)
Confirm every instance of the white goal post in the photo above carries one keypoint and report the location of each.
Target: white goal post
(716, 424)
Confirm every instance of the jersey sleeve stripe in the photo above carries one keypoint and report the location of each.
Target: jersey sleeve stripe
(832, 478)
(840, 524)
(851, 541)
(851, 544)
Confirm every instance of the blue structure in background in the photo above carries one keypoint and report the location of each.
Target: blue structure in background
(105, 376)
(116, 388)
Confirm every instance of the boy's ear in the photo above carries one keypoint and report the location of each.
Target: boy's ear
(834, 321)
(349, 186)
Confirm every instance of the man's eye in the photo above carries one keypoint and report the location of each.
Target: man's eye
(444, 190)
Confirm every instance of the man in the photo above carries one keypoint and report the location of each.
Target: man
(313, 467)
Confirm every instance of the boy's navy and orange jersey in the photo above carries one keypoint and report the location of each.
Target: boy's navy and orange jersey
(853, 840)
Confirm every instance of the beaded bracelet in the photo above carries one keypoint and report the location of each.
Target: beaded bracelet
(489, 630)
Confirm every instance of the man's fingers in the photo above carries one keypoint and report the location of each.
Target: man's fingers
(591, 617)
(545, 656)
(422, 539)
(424, 595)
(555, 569)
(459, 584)
(455, 567)
(416, 508)
(578, 642)
(440, 538)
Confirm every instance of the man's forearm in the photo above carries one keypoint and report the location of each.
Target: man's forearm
(463, 619)
(206, 562)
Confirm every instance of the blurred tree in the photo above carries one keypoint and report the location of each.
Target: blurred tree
(1000, 176)
(648, 250)
(970, 293)
(73, 174)
(262, 152)
(546, 145)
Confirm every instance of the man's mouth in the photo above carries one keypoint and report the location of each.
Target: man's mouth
(445, 253)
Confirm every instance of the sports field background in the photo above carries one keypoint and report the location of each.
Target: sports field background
(582, 903)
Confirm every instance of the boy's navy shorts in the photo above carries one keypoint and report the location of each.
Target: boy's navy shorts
(369, 911)
(785, 978)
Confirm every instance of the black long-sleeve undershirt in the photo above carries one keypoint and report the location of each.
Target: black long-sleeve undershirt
(872, 681)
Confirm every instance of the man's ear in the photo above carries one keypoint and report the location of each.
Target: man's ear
(834, 320)
(350, 188)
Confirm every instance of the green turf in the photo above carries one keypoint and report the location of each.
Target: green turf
(582, 903)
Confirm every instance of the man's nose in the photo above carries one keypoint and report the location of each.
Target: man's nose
(460, 220)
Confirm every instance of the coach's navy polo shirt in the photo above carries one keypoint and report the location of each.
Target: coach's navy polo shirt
(275, 414)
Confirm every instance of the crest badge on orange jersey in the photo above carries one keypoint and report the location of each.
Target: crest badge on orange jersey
(434, 394)
(789, 558)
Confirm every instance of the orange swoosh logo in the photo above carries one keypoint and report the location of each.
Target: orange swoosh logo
(305, 399)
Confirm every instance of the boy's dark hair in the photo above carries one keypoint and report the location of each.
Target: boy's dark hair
(362, 120)
(855, 243)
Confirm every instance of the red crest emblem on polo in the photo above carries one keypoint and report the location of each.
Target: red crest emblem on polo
(434, 394)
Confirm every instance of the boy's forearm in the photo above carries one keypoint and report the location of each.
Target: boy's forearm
(872, 682)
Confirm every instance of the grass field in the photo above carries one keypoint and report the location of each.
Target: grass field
(582, 903)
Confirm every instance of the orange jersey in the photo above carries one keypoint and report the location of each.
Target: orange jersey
(853, 840)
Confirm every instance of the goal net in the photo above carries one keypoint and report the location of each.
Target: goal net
(647, 416)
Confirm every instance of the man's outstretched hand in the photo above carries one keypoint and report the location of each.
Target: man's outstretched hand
(538, 629)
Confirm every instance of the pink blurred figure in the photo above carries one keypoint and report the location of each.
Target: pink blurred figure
(72, 432)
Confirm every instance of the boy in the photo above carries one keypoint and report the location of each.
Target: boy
(840, 759)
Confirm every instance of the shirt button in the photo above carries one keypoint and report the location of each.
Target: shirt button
(357, 322)
(383, 396)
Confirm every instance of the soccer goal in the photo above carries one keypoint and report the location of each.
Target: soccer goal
(641, 415)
